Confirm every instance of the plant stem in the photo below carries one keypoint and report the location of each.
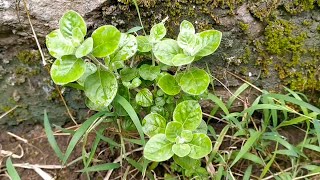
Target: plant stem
(97, 62)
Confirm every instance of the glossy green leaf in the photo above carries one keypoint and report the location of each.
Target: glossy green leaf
(202, 128)
(165, 50)
(187, 162)
(182, 59)
(127, 48)
(144, 98)
(71, 20)
(128, 74)
(85, 48)
(173, 130)
(77, 36)
(169, 85)
(144, 45)
(194, 81)
(200, 146)
(95, 107)
(187, 26)
(190, 43)
(149, 72)
(186, 135)
(106, 40)
(181, 150)
(157, 32)
(101, 87)
(67, 69)
(210, 41)
(90, 69)
(189, 114)
(153, 124)
(58, 45)
(158, 148)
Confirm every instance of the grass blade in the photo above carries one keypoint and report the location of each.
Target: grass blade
(219, 142)
(268, 165)
(133, 115)
(101, 167)
(297, 120)
(11, 170)
(51, 139)
(247, 173)
(218, 102)
(236, 94)
(247, 146)
(80, 132)
(108, 140)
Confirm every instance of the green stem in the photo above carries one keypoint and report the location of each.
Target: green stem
(97, 62)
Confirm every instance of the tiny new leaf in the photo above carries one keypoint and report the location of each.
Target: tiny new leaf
(85, 48)
(173, 130)
(67, 69)
(158, 148)
(157, 32)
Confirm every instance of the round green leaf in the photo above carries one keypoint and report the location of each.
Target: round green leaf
(149, 72)
(127, 74)
(85, 48)
(187, 26)
(105, 40)
(210, 41)
(58, 45)
(157, 32)
(67, 69)
(202, 128)
(154, 124)
(127, 48)
(101, 87)
(165, 50)
(189, 114)
(158, 148)
(194, 81)
(90, 69)
(182, 59)
(181, 150)
(71, 20)
(169, 85)
(173, 130)
(144, 98)
(200, 146)
(144, 45)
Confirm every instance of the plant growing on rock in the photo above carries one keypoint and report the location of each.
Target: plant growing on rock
(104, 67)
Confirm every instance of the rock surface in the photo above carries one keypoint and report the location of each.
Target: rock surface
(270, 43)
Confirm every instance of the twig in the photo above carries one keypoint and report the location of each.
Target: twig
(6, 113)
(32, 166)
(17, 137)
(119, 159)
(44, 63)
(43, 174)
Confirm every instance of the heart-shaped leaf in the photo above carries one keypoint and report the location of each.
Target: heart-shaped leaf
(173, 130)
(101, 87)
(144, 98)
(58, 45)
(144, 44)
(158, 148)
(127, 48)
(157, 32)
(210, 41)
(85, 48)
(71, 20)
(67, 69)
(154, 124)
(169, 85)
(165, 50)
(181, 150)
(189, 114)
(194, 81)
(149, 72)
(200, 146)
(106, 40)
